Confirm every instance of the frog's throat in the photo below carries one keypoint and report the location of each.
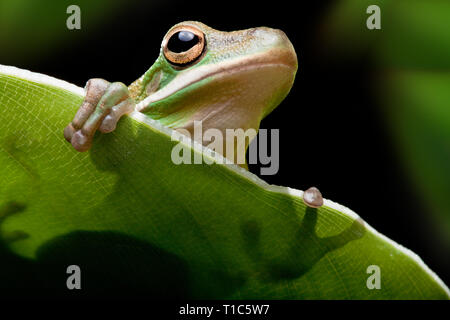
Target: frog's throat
(277, 57)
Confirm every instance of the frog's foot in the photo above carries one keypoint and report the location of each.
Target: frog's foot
(105, 103)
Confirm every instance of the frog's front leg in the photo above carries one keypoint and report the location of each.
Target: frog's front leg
(104, 104)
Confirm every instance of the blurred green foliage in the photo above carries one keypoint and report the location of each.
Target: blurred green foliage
(418, 109)
(31, 29)
(411, 59)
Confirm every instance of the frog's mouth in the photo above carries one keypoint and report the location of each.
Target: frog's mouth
(275, 58)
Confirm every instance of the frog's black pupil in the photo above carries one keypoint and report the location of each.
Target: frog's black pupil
(182, 41)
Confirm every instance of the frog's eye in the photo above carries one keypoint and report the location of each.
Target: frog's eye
(183, 45)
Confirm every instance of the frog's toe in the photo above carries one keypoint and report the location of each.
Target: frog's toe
(69, 132)
(110, 121)
(95, 89)
(81, 142)
(78, 140)
(82, 139)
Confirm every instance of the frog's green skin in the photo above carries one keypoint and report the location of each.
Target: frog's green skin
(238, 79)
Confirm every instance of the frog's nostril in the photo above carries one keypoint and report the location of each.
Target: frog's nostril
(280, 45)
(273, 38)
(270, 36)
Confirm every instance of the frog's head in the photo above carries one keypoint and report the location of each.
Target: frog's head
(226, 79)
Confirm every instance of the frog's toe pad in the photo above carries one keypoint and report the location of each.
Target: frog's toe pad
(108, 124)
(110, 121)
(69, 132)
(80, 141)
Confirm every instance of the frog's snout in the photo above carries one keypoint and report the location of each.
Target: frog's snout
(279, 45)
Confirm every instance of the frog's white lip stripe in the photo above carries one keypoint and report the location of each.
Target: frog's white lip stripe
(185, 79)
(50, 81)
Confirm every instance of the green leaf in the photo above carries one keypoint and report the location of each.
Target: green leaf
(128, 215)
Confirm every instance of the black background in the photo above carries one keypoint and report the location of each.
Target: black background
(332, 132)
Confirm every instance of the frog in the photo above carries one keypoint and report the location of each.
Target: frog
(222, 79)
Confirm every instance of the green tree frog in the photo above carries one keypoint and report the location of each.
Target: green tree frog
(226, 80)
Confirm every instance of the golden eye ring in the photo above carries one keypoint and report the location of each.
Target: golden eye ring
(183, 45)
